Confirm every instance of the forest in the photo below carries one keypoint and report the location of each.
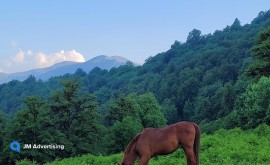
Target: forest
(220, 81)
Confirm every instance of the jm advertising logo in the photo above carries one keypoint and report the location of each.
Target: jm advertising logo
(15, 146)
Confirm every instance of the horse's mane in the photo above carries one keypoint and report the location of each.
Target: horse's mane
(131, 143)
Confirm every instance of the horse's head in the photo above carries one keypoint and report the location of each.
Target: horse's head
(126, 162)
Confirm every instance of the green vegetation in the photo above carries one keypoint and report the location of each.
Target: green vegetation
(252, 107)
(223, 147)
(220, 81)
(261, 64)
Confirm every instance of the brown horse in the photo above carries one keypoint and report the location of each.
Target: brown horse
(161, 141)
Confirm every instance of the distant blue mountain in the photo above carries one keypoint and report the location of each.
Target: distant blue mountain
(102, 61)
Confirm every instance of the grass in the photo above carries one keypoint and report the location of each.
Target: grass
(224, 147)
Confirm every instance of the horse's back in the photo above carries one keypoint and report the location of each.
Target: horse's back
(171, 136)
(168, 132)
(158, 140)
(158, 133)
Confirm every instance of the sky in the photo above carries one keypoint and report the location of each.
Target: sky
(35, 34)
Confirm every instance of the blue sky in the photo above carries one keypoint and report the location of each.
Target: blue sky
(41, 33)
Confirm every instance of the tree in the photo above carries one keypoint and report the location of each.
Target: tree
(252, 107)
(80, 72)
(124, 122)
(144, 107)
(128, 115)
(207, 103)
(31, 125)
(176, 45)
(170, 111)
(227, 97)
(150, 114)
(75, 120)
(122, 132)
(122, 107)
(236, 25)
(194, 37)
(2, 129)
(261, 56)
(188, 110)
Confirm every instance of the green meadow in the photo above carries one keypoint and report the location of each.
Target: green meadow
(226, 147)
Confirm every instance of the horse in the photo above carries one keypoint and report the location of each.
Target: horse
(161, 141)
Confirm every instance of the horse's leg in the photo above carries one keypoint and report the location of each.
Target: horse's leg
(190, 156)
(188, 160)
(144, 160)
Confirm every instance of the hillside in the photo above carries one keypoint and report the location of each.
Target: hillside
(205, 66)
(204, 80)
(65, 67)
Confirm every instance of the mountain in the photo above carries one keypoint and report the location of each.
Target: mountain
(102, 61)
(198, 80)
(2, 74)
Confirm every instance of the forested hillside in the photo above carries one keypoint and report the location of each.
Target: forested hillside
(217, 80)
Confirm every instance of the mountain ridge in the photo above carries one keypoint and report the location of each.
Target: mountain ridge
(64, 67)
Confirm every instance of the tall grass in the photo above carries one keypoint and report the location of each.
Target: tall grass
(224, 147)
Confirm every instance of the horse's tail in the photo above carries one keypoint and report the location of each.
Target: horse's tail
(196, 146)
(131, 143)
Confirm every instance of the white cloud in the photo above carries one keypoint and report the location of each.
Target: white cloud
(44, 60)
(29, 53)
(8, 63)
(26, 60)
(19, 57)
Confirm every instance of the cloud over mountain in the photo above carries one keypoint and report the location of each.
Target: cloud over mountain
(44, 60)
(25, 60)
